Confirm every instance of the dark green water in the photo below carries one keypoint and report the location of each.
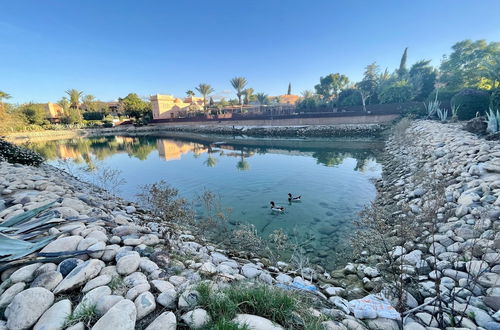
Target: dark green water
(333, 177)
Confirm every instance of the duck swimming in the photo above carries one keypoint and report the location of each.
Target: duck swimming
(277, 208)
(293, 199)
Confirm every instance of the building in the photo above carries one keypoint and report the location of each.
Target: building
(286, 99)
(168, 106)
(53, 111)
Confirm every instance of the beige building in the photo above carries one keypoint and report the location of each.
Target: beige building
(168, 106)
(53, 111)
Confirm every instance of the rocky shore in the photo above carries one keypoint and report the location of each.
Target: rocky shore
(137, 273)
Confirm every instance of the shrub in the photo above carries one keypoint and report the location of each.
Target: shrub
(471, 101)
(398, 92)
(14, 154)
(349, 97)
(93, 116)
(444, 95)
(107, 124)
(495, 99)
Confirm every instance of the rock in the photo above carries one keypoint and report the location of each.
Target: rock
(67, 265)
(266, 278)
(162, 286)
(254, 322)
(333, 325)
(250, 271)
(27, 307)
(105, 303)
(78, 326)
(476, 267)
(492, 302)
(489, 280)
(168, 299)
(188, 299)
(10, 293)
(96, 282)
(371, 272)
(55, 317)
(79, 275)
(135, 279)
(150, 239)
(144, 304)
(130, 209)
(128, 263)
(48, 280)
(92, 297)
(208, 268)
(166, 321)
(382, 323)
(24, 274)
(341, 303)
(196, 319)
(137, 290)
(63, 244)
(177, 280)
(98, 235)
(121, 316)
(334, 291)
(284, 279)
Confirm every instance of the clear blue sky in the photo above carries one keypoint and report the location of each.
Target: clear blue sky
(110, 48)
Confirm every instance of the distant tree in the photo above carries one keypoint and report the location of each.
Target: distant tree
(466, 66)
(204, 90)
(403, 71)
(289, 92)
(33, 113)
(248, 92)
(330, 86)
(423, 71)
(89, 103)
(492, 69)
(3, 96)
(211, 102)
(262, 98)
(396, 92)
(134, 106)
(74, 98)
(189, 93)
(367, 87)
(307, 94)
(239, 84)
(65, 104)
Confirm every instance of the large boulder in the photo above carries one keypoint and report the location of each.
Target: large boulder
(121, 316)
(166, 321)
(80, 275)
(27, 307)
(55, 317)
(254, 322)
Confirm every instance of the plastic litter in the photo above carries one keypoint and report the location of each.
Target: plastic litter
(373, 306)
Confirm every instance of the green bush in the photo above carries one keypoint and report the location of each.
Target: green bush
(93, 116)
(349, 97)
(14, 154)
(444, 95)
(398, 92)
(471, 101)
(107, 124)
(495, 99)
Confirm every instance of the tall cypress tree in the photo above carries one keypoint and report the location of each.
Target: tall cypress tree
(289, 89)
(402, 65)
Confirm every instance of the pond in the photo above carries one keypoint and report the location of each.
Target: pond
(334, 178)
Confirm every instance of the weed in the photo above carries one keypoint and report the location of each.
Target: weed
(87, 314)
(116, 283)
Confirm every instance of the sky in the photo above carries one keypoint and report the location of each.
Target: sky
(112, 48)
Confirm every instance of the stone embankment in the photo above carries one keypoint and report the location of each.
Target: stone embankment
(138, 273)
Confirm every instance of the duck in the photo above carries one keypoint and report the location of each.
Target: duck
(293, 198)
(277, 208)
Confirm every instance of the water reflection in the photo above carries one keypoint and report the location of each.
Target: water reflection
(85, 150)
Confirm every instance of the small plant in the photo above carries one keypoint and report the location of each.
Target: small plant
(493, 121)
(87, 314)
(116, 283)
(454, 111)
(432, 106)
(442, 114)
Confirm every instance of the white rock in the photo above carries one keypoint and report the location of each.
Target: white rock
(128, 263)
(208, 268)
(48, 280)
(79, 275)
(196, 319)
(27, 307)
(162, 286)
(25, 274)
(96, 282)
(92, 297)
(254, 322)
(121, 316)
(10, 293)
(168, 299)
(105, 303)
(137, 290)
(166, 321)
(63, 244)
(144, 304)
(55, 316)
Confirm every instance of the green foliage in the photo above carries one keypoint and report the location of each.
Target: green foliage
(33, 113)
(287, 308)
(93, 116)
(397, 92)
(248, 92)
(15, 154)
(471, 101)
(87, 314)
(239, 84)
(349, 97)
(331, 85)
(74, 117)
(135, 107)
(495, 99)
(289, 91)
(403, 71)
(189, 93)
(472, 64)
(204, 90)
(74, 97)
(262, 98)
(423, 71)
(444, 95)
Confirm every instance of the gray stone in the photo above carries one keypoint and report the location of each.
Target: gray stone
(96, 282)
(333, 325)
(48, 280)
(162, 286)
(128, 263)
(168, 299)
(254, 322)
(25, 274)
(137, 290)
(55, 317)
(62, 244)
(121, 316)
(10, 293)
(166, 321)
(144, 304)
(250, 271)
(27, 307)
(67, 265)
(196, 319)
(92, 297)
(382, 323)
(81, 274)
(105, 303)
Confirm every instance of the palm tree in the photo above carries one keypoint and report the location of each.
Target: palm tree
(74, 97)
(64, 103)
(205, 89)
(89, 100)
(189, 93)
(248, 92)
(239, 84)
(211, 161)
(3, 95)
(307, 94)
(262, 98)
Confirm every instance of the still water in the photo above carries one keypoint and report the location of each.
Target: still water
(332, 176)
